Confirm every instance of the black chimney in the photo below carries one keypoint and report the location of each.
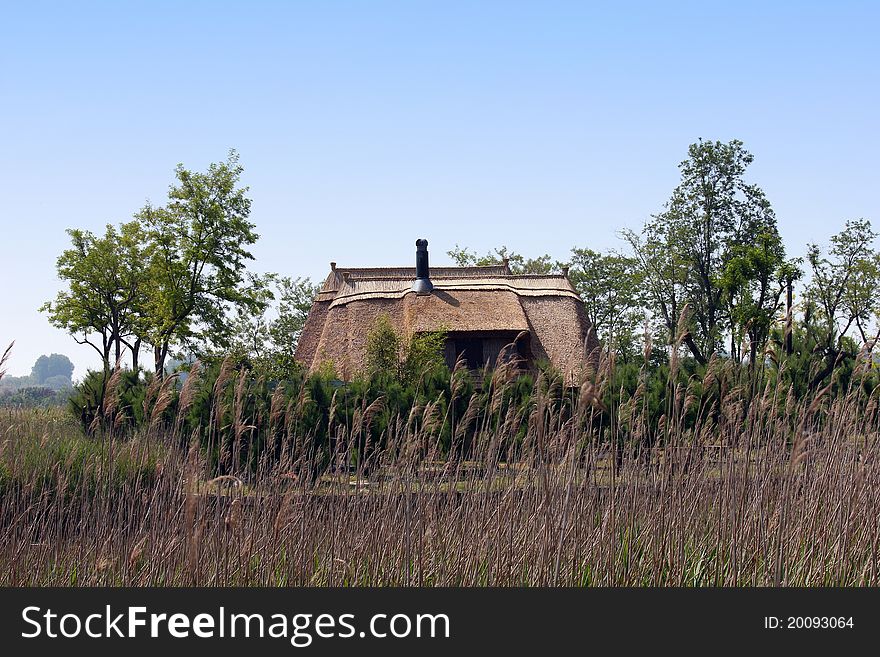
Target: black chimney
(422, 284)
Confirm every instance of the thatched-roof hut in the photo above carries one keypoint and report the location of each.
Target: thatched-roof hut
(481, 309)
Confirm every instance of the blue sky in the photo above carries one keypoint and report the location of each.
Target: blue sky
(364, 125)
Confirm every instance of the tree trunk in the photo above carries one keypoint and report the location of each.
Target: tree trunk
(830, 362)
(135, 352)
(160, 352)
(753, 361)
(107, 346)
(695, 350)
(789, 344)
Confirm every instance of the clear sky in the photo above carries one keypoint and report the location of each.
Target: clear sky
(364, 125)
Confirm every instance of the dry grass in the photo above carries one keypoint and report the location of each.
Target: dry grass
(3, 358)
(772, 492)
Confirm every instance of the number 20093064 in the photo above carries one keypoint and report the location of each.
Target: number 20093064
(808, 622)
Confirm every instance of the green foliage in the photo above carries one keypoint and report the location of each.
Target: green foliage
(105, 278)
(390, 356)
(715, 250)
(843, 287)
(423, 356)
(171, 276)
(752, 284)
(266, 343)
(384, 347)
(199, 246)
(611, 286)
(518, 264)
(295, 298)
(104, 400)
(238, 417)
(47, 367)
(34, 397)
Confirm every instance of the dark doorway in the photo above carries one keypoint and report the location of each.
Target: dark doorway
(471, 349)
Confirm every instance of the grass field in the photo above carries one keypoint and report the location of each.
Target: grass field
(782, 494)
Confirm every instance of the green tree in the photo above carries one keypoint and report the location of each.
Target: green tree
(105, 278)
(198, 260)
(610, 285)
(249, 337)
(55, 365)
(390, 355)
(268, 343)
(383, 352)
(295, 299)
(464, 257)
(753, 282)
(423, 356)
(663, 273)
(709, 223)
(842, 293)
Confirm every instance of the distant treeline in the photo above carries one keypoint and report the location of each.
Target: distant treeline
(49, 384)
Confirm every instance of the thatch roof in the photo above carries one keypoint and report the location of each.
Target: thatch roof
(478, 300)
(453, 309)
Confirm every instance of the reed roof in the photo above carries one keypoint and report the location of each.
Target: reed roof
(465, 299)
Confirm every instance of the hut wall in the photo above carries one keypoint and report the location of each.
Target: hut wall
(484, 304)
(307, 346)
(560, 333)
(344, 339)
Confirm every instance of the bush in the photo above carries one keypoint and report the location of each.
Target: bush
(116, 397)
(34, 397)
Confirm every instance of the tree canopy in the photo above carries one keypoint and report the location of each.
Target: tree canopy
(54, 365)
(169, 277)
(714, 249)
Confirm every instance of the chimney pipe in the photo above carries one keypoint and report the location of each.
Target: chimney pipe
(422, 284)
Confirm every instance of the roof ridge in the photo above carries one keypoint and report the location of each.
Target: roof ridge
(348, 297)
(399, 267)
(533, 275)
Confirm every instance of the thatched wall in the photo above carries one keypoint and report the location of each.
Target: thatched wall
(465, 299)
(560, 333)
(307, 346)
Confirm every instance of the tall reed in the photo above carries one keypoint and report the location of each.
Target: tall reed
(754, 489)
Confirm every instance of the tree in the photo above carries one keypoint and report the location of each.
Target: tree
(464, 257)
(295, 299)
(172, 276)
(58, 382)
(388, 354)
(423, 355)
(384, 346)
(610, 285)
(664, 274)
(105, 278)
(249, 338)
(706, 231)
(842, 292)
(268, 344)
(753, 281)
(55, 365)
(198, 260)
